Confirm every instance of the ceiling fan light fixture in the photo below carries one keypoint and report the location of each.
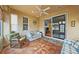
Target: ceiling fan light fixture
(40, 11)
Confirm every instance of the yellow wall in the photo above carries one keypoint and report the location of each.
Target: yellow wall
(7, 20)
(72, 14)
(32, 27)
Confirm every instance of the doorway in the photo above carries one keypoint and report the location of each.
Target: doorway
(47, 27)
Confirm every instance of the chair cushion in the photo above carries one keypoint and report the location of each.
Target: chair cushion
(29, 35)
(32, 35)
(70, 47)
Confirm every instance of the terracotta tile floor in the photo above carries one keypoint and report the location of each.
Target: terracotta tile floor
(39, 46)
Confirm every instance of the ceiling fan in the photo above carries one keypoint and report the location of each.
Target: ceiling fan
(41, 11)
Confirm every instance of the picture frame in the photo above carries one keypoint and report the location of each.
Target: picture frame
(34, 22)
(73, 23)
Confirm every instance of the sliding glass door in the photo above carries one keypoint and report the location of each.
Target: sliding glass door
(58, 25)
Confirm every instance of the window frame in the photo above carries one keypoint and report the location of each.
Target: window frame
(25, 23)
(14, 24)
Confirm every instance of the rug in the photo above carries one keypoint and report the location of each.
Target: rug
(39, 46)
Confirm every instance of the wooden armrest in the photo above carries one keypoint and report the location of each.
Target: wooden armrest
(22, 38)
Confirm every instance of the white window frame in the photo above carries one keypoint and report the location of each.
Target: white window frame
(15, 24)
(26, 23)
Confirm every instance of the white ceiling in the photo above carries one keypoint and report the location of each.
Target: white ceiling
(28, 9)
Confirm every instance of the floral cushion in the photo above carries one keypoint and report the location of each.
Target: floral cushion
(70, 47)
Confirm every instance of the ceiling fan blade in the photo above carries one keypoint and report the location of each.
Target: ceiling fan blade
(45, 12)
(35, 11)
(39, 9)
(46, 9)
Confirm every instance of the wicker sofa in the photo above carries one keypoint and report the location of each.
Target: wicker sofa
(70, 47)
(32, 35)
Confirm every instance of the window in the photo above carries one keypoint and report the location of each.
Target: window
(14, 22)
(25, 23)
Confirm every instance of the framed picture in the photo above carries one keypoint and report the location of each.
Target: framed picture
(34, 22)
(73, 23)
